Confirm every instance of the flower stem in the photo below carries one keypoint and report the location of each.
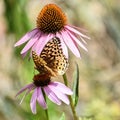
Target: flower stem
(46, 111)
(70, 99)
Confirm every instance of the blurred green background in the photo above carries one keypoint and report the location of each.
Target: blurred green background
(99, 87)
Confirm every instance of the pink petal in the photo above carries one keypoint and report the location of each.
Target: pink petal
(27, 92)
(69, 28)
(78, 28)
(83, 40)
(24, 88)
(64, 48)
(26, 37)
(77, 41)
(60, 95)
(62, 88)
(51, 95)
(30, 43)
(40, 98)
(69, 42)
(24, 54)
(78, 37)
(33, 101)
(33, 48)
(42, 42)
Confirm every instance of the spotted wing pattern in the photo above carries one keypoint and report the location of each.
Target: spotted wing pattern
(51, 59)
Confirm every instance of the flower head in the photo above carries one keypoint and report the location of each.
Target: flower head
(41, 86)
(51, 19)
(52, 22)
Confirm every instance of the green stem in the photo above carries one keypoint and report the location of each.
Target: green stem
(70, 99)
(46, 111)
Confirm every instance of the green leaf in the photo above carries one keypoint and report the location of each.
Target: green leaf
(62, 117)
(76, 86)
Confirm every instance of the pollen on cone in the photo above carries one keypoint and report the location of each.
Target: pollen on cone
(51, 19)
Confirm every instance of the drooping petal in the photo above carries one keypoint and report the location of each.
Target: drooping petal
(83, 40)
(42, 42)
(26, 37)
(77, 41)
(24, 88)
(31, 43)
(40, 98)
(64, 48)
(75, 31)
(33, 48)
(70, 43)
(51, 95)
(27, 92)
(77, 28)
(61, 87)
(33, 101)
(59, 94)
(24, 54)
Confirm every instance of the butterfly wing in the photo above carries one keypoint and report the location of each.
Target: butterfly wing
(54, 57)
(51, 59)
(41, 65)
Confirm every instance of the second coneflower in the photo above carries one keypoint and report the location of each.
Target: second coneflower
(52, 22)
(42, 85)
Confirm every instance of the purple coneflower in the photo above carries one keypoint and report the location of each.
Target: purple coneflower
(42, 85)
(52, 22)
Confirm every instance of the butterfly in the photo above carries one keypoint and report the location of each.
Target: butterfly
(51, 60)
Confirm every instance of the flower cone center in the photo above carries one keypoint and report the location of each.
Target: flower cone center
(51, 19)
(41, 80)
